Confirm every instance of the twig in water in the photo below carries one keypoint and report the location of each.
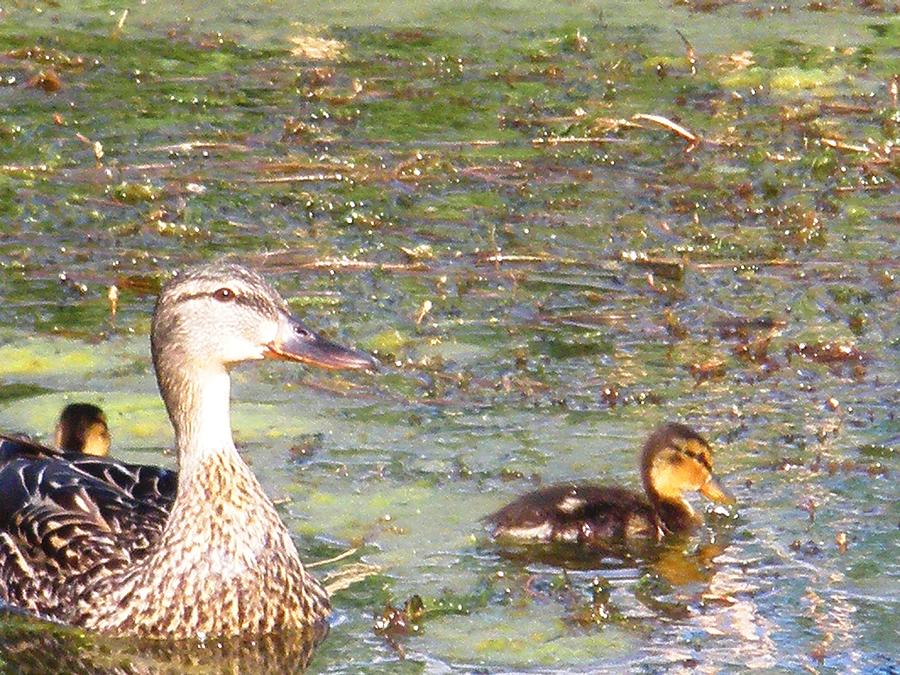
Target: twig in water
(692, 138)
(562, 140)
(691, 54)
(188, 146)
(840, 145)
(349, 575)
(96, 146)
(513, 258)
(348, 264)
(301, 178)
(328, 561)
(423, 311)
(113, 297)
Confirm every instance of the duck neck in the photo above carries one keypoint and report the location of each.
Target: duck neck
(198, 401)
(675, 513)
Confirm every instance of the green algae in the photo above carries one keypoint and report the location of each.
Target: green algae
(43, 357)
(495, 637)
(791, 77)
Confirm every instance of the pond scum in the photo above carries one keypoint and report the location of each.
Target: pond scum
(556, 232)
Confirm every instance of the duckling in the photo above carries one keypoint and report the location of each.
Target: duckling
(675, 460)
(82, 428)
(83, 541)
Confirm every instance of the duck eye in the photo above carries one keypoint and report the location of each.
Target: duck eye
(224, 295)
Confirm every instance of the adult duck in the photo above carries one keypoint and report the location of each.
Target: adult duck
(216, 560)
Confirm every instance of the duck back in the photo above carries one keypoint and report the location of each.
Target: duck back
(67, 520)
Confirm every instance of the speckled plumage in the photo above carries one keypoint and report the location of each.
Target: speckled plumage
(132, 550)
(235, 554)
(596, 515)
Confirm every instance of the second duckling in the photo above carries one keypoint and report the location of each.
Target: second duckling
(82, 428)
(675, 460)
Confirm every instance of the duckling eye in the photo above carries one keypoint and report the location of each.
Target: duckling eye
(224, 295)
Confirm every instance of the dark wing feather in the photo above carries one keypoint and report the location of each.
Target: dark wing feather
(13, 447)
(67, 520)
(143, 482)
(146, 483)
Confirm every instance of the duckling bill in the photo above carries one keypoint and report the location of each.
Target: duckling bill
(675, 460)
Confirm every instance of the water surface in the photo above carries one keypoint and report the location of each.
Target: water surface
(590, 274)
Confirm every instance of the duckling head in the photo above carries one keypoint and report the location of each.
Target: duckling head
(82, 428)
(676, 460)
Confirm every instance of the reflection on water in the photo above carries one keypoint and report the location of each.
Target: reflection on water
(679, 568)
(669, 573)
(32, 647)
(690, 586)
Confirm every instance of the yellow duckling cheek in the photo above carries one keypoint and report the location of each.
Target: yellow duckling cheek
(96, 441)
(673, 474)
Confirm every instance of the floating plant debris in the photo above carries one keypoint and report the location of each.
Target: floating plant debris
(829, 353)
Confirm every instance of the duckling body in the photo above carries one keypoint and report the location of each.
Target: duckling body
(135, 550)
(576, 514)
(674, 459)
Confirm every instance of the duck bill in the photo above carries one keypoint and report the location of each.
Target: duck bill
(714, 491)
(295, 342)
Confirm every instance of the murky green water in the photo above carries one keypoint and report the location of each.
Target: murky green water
(590, 275)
